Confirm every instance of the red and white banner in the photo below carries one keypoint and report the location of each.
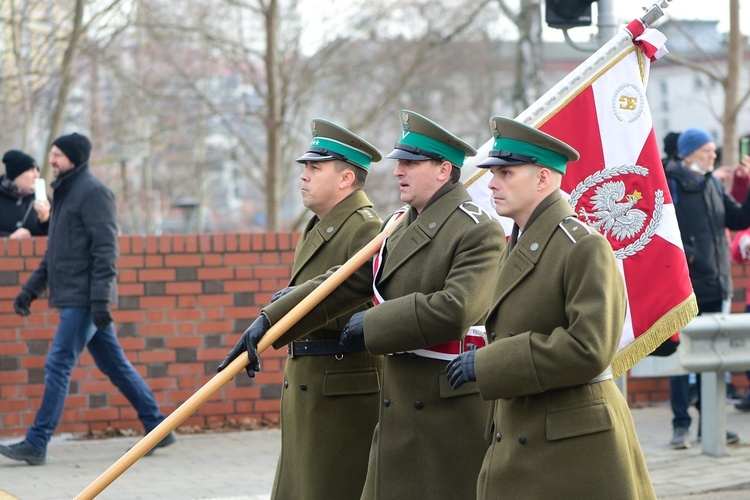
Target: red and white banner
(618, 185)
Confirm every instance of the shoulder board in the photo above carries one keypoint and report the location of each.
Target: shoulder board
(574, 228)
(474, 211)
(367, 214)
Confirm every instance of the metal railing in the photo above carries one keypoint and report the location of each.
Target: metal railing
(711, 344)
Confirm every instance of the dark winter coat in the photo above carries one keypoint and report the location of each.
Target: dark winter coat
(18, 212)
(80, 264)
(703, 211)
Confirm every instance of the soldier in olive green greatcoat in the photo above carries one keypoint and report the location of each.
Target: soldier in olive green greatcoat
(329, 401)
(561, 427)
(432, 281)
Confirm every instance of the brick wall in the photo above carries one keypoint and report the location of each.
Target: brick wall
(184, 301)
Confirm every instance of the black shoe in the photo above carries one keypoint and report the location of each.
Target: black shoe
(168, 440)
(732, 437)
(732, 393)
(744, 405)
(24, 451)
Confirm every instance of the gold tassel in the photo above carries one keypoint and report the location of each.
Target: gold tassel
(646, 343)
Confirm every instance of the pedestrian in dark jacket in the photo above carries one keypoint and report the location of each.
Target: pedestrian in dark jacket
(704, 210)
(20, 215)
(80, 267)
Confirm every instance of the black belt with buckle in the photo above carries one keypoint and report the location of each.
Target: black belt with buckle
(315, 348)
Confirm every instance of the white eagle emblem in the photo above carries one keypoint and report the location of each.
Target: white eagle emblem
(613, 215)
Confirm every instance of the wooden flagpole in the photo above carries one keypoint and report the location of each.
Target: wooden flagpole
(220, 379)
(531, 116)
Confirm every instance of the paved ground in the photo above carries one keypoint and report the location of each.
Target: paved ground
(241, 465)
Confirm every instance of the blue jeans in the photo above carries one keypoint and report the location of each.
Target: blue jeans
(679, 385)
(679, 398)
(75, 331)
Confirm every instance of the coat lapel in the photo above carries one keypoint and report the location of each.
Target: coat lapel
(407, 240)
(318, 232)
(521, 257)
(310, 242)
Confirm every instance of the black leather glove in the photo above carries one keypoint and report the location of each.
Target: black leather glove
(23, 302)
(353, 335)
(281, 293)
(461, 369)
(100, 314)
(249, 342)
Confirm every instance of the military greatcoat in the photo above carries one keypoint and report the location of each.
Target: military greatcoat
(329, 404)
(554, 326)
(436, 279)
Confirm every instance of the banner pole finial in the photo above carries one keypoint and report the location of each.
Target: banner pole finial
(654, 13)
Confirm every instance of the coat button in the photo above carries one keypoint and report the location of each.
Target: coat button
(522, 439)
(302, 387)
(493, 336)
(498, 437)
(386, 402)
(418, 405)
(286, 384)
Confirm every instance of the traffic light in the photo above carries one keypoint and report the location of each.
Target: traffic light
(564, 14)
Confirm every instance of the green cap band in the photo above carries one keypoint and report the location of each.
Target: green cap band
(350, 154)
(544, 156)
(453, 155)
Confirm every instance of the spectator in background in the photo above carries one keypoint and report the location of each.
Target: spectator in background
(703, 211)
(20, 215)
(670, 148)
(669, 346)
(80, 266)
(740, 248)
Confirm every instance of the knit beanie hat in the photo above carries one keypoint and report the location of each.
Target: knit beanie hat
(692, 139)
(670, 144)
(17, 162)
(76, 147)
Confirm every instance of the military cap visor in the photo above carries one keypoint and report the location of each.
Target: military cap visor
(412, 153)
(423, 139)
(508, 158)
(331, 142)
(519, 144)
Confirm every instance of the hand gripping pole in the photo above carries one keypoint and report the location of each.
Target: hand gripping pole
(220, 379)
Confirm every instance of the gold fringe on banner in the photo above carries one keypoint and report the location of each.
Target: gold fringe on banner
(646, 343)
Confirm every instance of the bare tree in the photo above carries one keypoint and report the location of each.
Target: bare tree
(729, 80)
(67, 67)
(211, 100)
(290, 85)
(29, 53)
(528, 85)
(66, 77)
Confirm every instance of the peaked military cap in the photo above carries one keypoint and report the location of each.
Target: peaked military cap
(518, 144)
(423, 139)
(331, 142)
